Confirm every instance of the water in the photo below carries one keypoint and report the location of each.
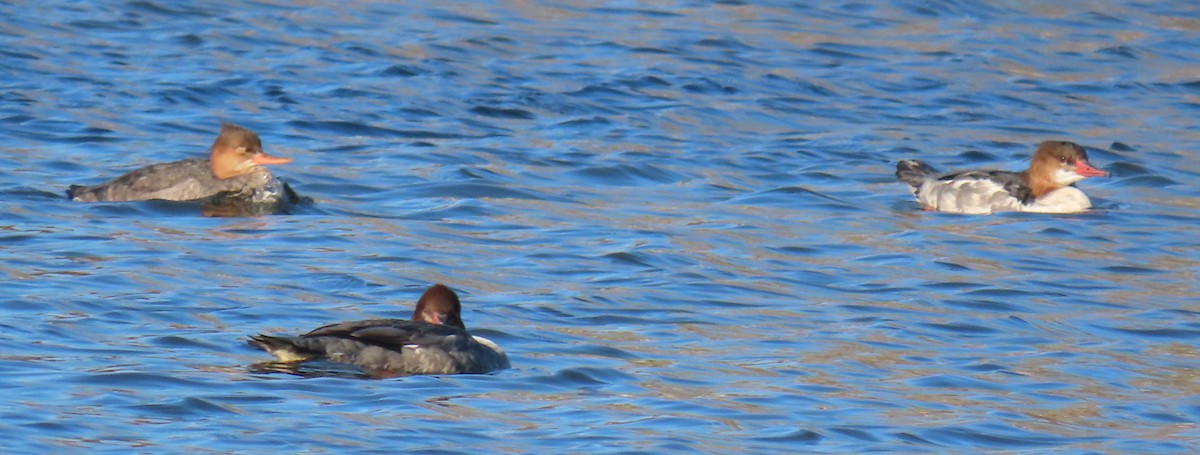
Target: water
(679, 219)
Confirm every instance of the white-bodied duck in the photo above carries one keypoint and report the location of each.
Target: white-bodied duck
(1046, 187)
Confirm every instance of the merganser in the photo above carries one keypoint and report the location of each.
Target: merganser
(1046, 187)
(232, 168)
(434, 341)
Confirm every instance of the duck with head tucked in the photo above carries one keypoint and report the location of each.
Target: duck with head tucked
(434, 341)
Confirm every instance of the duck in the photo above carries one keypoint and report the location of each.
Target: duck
(1047, 186)
(234, 167)
(434, 341)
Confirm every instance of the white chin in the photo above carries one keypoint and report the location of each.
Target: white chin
(1066, 177)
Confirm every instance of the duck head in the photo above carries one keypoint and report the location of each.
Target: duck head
(1057, 164)
(439, 305)
(237, 151)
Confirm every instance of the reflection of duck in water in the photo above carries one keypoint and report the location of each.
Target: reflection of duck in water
(434, 341)
(1046, 187)
(232, 170)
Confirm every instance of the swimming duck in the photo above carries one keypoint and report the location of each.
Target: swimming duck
(434, 341)
(232, 168)
(1046, 187)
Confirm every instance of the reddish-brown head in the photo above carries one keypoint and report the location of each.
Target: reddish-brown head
(439, 305)
(237, 151)
(1057, 164)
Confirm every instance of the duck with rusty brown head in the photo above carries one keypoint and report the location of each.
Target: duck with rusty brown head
(234, 167)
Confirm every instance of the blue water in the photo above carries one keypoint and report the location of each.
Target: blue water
(678, 218)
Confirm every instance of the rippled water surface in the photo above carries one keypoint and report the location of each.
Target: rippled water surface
(678, 218)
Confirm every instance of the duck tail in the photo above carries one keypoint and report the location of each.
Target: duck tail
(914, 173)
(282, 348)
(75, 191)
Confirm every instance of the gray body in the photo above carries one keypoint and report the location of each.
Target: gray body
(394, 346)
(184, 180)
